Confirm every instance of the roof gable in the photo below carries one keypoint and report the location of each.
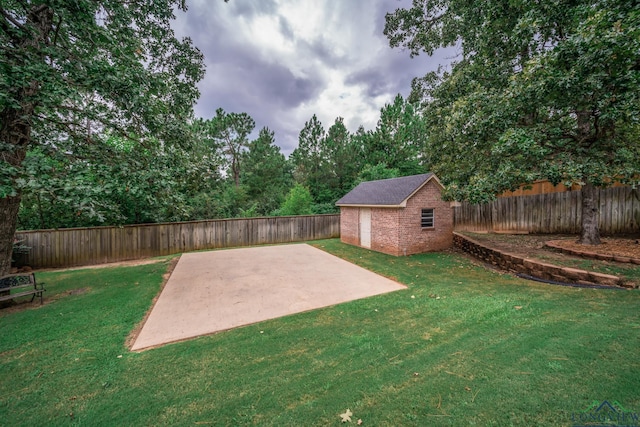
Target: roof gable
(393, 192)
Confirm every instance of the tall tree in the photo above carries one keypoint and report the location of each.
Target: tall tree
(542, 90)
(345, 158)
(309, 159)
(265, 173)
(398, 138)
(72, 68)
(232, 131)
(206, 149)
(327, 163)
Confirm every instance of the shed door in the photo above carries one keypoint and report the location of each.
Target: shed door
(365, 228)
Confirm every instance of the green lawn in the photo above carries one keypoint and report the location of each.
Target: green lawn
(461, 346)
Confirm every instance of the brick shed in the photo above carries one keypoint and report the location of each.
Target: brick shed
(397, 216)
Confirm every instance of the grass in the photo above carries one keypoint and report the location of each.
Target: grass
(461, 346)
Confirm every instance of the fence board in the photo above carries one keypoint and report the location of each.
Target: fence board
(552, 213)
(87, 246)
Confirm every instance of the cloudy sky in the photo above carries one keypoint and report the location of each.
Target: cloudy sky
(281, 61)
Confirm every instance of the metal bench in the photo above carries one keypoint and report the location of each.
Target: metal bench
(23, 284)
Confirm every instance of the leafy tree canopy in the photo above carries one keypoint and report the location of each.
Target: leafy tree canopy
(541, 90)
(265, 173)
(146, 184)
(398, 138)
(71, 69)
(297, 202)
(231, 132)
(379, 171)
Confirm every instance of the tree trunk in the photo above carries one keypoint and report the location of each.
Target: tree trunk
(590, 232)
(8, 216)
(16, 133)
(15, 127)
(235, 167)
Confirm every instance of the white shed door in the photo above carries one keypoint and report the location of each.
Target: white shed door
(365, 228)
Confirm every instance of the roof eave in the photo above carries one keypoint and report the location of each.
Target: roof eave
(432, 177)
(401, 204)
(356, 205)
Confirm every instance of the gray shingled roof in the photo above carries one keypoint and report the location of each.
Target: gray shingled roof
(384, 192)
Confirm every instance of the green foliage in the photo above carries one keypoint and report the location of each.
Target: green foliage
(297, 202)
(309, 159)
(74, 71)
(327, 162)
(229, 201)
(324, 208)
(206, 148)
(63, 192)
(266, 174)
(154, 183)
(230, 131)
(398, 138)
(345, 157)
(541, 92)
(98, 65)
(332, 163)
(374, 173)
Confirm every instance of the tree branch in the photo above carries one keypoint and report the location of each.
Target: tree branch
(55, 36)
(11, 19)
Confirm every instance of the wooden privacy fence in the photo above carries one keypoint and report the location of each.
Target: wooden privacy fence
(552, 213)
(97, 245)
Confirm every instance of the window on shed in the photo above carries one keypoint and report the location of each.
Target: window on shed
(426, 221)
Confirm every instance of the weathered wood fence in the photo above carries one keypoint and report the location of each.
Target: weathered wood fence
(97, 245)
(552, 213)
(543, 213)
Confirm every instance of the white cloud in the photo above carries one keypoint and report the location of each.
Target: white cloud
(282, 61)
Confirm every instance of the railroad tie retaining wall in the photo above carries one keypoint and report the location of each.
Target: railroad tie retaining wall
(518, 264)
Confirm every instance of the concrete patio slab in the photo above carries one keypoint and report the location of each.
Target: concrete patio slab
(213, 291)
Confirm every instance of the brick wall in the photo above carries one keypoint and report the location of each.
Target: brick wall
(349, 225)
(385, 231)
(415, 239)
(397, 231)
(384, 228)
